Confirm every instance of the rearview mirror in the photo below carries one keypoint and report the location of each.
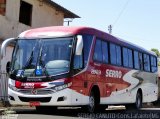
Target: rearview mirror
(79, 45)
(4, 45)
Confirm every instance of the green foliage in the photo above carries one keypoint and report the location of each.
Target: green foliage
(156, 51)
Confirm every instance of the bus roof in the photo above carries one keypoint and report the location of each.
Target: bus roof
(62, 31)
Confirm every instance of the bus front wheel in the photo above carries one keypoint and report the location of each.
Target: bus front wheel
(92, 104)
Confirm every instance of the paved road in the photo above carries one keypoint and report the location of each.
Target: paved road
(31, 113)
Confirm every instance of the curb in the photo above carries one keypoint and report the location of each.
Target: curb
(2, 110)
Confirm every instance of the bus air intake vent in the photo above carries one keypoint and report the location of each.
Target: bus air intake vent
(42, 99)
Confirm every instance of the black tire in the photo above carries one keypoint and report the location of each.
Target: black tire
(91, 107)
(138, 103)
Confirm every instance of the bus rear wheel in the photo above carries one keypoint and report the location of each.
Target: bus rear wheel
(138, 103)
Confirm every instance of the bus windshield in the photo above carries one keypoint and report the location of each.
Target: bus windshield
(42, 57)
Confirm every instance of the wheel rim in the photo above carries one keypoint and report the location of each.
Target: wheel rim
(138, 101)
(91, 103)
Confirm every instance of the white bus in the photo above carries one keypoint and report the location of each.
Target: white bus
(79, 66)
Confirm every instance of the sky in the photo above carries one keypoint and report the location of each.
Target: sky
(136, 21)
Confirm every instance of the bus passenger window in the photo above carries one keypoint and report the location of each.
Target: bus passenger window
(146, 62)
(130, 58)
(87, 46)
(125, 57)
(118, 52)
(98, 51)
(105, 51)
(140, 61)
(136, 60)
(113, 53)
(153, 64)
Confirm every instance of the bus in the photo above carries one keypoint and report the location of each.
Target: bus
(79, 66)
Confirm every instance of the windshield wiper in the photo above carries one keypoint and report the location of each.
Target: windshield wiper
(40, 65)
(29, 61)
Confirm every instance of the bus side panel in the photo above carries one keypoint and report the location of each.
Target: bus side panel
(138, 80)
(78, 86)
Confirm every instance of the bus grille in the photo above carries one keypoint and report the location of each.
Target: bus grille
(42, 99)
(39, 92)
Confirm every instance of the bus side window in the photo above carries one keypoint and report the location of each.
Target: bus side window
(130, 58)
(125, 57)
(87, 46)
(140, 61)
(146, 62)
(136, 60)
(153, 64)
(105, 51)
(118, 57)
(98, 51)
(113, 53)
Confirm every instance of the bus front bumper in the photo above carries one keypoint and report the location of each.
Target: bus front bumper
(65, 97)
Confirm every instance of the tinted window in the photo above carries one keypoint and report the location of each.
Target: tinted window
(113, 53)
(140, 60)
(98, 51)
(125, 57)
(130, 58)
(136, 60)
(87, 46)
(118, 52)
(146, 62)
(105, 51)
(153, 64)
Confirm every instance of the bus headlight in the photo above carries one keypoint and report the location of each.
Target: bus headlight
(12, 87)
(61, 87)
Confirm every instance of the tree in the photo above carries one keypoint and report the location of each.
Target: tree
(156, 51)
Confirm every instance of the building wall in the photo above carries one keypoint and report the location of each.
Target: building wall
(42, 15)
(2, 7)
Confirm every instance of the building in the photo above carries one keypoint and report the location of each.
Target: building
(17, 16)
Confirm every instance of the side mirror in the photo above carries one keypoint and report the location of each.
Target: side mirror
(79, 45)
(8, 66)
(4, 45)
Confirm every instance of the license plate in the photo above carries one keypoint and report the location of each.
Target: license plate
(34, 103)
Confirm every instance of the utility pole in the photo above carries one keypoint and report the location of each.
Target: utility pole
(68, 21)
(110, 29)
